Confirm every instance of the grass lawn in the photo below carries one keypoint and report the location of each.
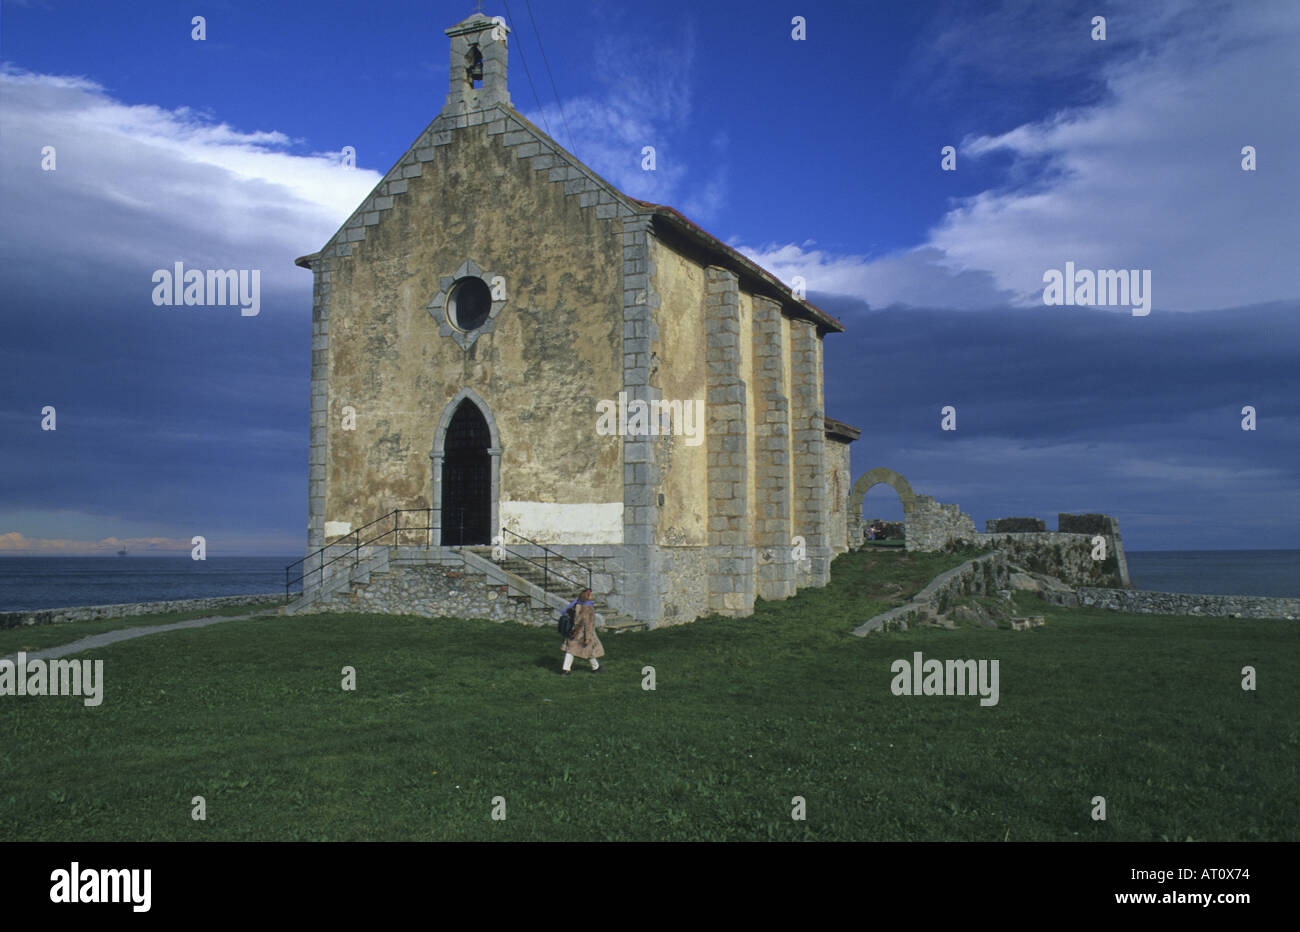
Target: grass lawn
(748, 713)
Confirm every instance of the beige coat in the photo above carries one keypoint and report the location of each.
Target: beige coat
(584, 643)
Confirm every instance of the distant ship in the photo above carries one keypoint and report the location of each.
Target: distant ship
(121, 553)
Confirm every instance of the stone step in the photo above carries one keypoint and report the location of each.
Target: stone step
(533, 574)
(621, 624)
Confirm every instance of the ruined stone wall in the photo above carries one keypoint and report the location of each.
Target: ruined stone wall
(1068, 553)
(983, 576)
(1065, 556)
(933, 525)
(1014, 525)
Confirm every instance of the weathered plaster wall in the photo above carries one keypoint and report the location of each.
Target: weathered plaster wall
(555, 350)
(567, 523)
(837, 488)
(682, 375)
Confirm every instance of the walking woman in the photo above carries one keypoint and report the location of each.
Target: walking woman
(583, 642)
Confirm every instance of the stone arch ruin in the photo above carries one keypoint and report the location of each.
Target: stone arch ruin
(927, 524)
(859, 493)
(876, 477)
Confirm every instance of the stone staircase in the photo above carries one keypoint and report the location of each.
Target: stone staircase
(341, 576)
(523, 581)
(564, 584)
(523, 576)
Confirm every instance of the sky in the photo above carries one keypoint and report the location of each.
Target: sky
(819, 157)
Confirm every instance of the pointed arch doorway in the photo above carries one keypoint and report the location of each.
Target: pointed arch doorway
(466, 462)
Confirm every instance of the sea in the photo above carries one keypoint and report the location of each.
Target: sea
(58, 582)
(1216, 572)
(55, 582)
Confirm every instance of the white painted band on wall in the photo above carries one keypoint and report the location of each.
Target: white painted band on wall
(553, 523)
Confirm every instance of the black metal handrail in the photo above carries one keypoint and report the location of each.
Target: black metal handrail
(547, 554)
(358, 543)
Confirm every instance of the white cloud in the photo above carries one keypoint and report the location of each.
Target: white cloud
(141, 186)
(1148, 178)
(920, 277)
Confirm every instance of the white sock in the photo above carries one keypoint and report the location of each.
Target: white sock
(594, 665)
(568, 661)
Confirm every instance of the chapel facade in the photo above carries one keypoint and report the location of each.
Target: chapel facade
(505, 339)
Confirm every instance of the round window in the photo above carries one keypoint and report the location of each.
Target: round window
(469, 303)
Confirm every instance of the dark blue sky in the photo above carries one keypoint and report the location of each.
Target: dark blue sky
(818, 158)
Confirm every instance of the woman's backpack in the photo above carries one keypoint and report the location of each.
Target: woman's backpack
(566, 623)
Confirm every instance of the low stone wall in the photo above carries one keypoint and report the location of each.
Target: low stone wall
(984, 575)
(434, 590)
(54, 616)
(1139, 602)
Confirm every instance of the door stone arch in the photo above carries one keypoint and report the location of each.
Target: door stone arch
(439, 456)
(865, 482)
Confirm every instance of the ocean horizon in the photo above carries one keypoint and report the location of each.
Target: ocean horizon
(30, 582)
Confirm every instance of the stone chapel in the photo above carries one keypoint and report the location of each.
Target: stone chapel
(492, 297)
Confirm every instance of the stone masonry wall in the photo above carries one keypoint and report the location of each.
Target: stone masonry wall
(932, 525)
(771, 507)
(808, 447)
(1014, 525)
(432, 591)
(683, 584)
(54, 616)
(1065, 556)
(641, 473)
(730, 555)
(1139, 602)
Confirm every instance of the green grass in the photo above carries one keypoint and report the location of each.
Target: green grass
(748, 713)
(39, 637)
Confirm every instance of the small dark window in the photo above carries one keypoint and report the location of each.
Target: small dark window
(474, 67)
(469, 303)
